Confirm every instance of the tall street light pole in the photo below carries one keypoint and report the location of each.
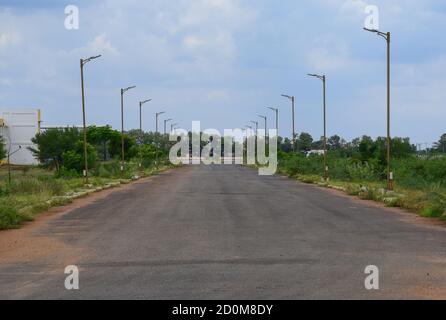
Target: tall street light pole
(293, 116)
(256, 133)
(266, 123)
(257, 126)
(141, 103)
(156, 136)
(122, 126)
(387, 37)
(83, 62)
(165, 125)
(245, 141)
(323, 78)
(9, 161)
(172, 126)
(156, 119)
(276, 110)
(141, 133)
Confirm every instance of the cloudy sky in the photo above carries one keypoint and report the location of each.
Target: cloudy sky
(223, 61)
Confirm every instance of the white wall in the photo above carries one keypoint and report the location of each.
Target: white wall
(21, 126)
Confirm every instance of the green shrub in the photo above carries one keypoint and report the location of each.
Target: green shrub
(108, 169)
(10, 218)
(358, 171)
(36, 185)
(436, 205)
(53, 143)
(103, 172)
(74, 159)
(27, 186)
(2, 149)
(65, 173)
(4, 190)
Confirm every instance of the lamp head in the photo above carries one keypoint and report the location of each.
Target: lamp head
(128, 88)
(371, 30)
(145, 101)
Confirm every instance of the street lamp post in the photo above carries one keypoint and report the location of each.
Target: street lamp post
(122, 126)
(323, 78)
(266, 123)
(387, 37)
(172, 126)
(156, 119)
(256, 133)
(83, 62)
(250, 128)
(246, 138)
(141, 103)
(257, 125)
(165, 125)
(156, 135)
(292, 98)
(276, 110)
(9, 162)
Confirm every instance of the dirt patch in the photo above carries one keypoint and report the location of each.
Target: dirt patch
(22, 245)
(427, 292)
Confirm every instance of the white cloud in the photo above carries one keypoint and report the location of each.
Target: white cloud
(217, 95)
(100, 45)
(6, 82)
(355, 7)
(9, 40)
(328, 54)
(187, 54)
(192, 42)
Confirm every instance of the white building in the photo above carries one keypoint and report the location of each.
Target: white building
(315, 152)
(18, 127)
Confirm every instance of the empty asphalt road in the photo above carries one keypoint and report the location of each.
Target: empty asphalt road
(223, 232)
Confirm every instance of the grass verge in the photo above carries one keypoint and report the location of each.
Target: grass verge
(35, 190)
(429, 202)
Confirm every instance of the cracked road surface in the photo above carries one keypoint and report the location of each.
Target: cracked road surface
(223, 232)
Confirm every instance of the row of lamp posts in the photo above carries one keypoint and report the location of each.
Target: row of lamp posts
(323, 78)
(386, 36)
(83, 62)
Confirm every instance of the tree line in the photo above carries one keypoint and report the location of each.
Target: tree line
(367, 146)
(62, 149)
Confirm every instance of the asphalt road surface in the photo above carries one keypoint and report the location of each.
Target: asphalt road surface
(223, 232)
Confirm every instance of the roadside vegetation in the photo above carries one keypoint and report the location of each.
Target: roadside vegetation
(359, 168)
(59, 178)
(2, 149)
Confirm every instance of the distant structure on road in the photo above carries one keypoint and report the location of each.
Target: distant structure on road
(18, 127)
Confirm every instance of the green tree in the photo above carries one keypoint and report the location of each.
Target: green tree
(401, 147)
(2, 149)
(441, 144)
(318, 145)
(335, 142)
(367, 148)
(304, 142)
(102, 138)
(53, 143)
(146, 153)
(74, 159)
(115, 146)
(160, 141)
(285, 144)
